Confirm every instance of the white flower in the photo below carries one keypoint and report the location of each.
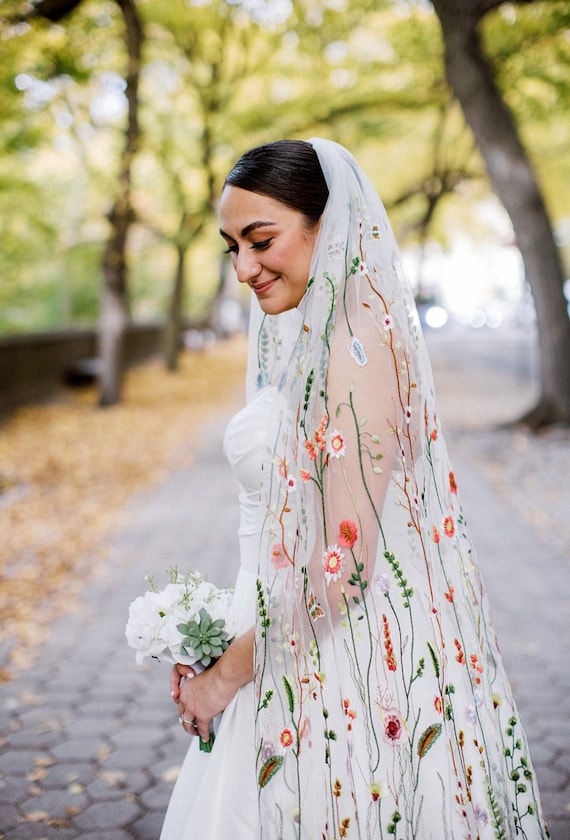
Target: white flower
(388, 322)
(336, 446)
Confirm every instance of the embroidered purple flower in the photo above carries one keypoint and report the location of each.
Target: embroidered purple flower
(481, 815)
(383, 583)
(357, 351)
(335, 249)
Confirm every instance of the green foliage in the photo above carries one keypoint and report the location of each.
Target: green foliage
(217, 79)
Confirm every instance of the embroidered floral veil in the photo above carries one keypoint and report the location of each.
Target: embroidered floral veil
(370, 606)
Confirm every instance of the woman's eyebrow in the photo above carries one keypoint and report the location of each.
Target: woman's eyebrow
(247, 229)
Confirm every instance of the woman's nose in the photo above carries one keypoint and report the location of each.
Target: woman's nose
(247, 266)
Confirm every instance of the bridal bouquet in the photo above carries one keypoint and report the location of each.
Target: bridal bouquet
(189, 622)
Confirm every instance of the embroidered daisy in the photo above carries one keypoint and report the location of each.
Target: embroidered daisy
(333, 563)
(336, 445)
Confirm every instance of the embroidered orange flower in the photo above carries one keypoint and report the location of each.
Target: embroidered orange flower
(321, 433)
(449, 594)
(311, 451)
(438, 705)
(348, 534)
(452, 483)
(435, 534)
(460, 655)
(448, 526)
(305, 475)
(390, 658)
(286, 738)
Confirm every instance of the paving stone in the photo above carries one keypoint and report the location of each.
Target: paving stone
(107, 815)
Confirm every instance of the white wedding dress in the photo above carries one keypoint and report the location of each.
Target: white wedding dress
(215, 796)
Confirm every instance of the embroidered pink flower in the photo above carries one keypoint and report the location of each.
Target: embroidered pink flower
(278, 556)
(282, 468)
(337, 444)
(333, 563)
(305, 475)
(347, 534)
(408, 413)
(388, 322)
(362, 268)
(286, 738)
(394, 729)
(448, 526)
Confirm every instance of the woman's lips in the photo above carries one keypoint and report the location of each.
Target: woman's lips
(260, 288)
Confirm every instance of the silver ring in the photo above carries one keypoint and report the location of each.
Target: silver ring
(182, 720)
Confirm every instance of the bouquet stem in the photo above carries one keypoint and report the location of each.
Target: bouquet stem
(206, 746)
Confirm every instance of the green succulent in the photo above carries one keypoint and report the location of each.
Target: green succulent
(205, 639)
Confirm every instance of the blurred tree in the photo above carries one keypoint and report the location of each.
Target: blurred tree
(472, 77)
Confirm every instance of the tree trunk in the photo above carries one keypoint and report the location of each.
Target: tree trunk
(174, 321)
(515, 183)
(115, 296)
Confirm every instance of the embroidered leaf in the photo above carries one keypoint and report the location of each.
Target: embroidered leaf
(434, 659)
(269, 769)
(428, 738)
(289, 692)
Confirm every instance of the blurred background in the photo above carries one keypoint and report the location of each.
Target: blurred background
(120, 119)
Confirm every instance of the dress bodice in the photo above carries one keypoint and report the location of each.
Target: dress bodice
(245, 446)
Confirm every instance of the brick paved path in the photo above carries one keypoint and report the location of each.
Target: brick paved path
(90, 743)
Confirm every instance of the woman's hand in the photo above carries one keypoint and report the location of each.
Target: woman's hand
(200, 697)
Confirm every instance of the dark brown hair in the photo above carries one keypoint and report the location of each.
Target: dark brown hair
(286, 170)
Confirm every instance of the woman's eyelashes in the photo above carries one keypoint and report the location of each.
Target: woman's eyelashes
(260, 246)
(257, 246)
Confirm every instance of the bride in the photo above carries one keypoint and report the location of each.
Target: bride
(365, 695)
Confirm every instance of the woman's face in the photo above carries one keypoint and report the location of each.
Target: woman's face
(270, 247)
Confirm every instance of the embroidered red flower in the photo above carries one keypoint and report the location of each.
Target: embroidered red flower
(394, 730)
(449, 594)
(347, 533)
(452, 483)
(435, 534)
